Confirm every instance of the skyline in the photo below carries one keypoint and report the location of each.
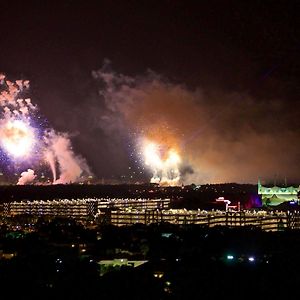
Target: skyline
(218, 81)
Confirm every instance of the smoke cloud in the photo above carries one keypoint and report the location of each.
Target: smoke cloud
(221, 137)
(70, 166)
(27, 177)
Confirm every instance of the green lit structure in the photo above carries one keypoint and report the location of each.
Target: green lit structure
(272, 196)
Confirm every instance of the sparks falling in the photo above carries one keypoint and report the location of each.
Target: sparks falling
(163, 161)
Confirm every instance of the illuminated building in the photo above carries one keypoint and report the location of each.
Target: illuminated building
(275, 195)
(60, 208)
(115, 264)
(269, 221)
(80, 208)
(124, 212)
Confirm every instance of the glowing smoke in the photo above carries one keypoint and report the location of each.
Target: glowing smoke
(26, 177)
(19, 137)
(221, 137)
(70, 165)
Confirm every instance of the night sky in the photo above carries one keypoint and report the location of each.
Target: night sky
(219, 77)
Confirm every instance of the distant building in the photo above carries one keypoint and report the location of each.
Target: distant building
(124, 212)
(80, 208)
(118, 263)
(272, 196)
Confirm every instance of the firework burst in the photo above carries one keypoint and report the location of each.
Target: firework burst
(17, 138)
(164, 162)
(27, 143)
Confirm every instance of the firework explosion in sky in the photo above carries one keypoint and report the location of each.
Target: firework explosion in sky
(163, 163)
(187, 136)
(25, 141)
(206, 93)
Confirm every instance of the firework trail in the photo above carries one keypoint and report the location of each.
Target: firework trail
(50, 158)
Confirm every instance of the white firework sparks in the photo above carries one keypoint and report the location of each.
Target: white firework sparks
(163, 163)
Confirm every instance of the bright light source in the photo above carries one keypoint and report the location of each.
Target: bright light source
(251, 258)
(17, 137)
(158, 274)
(230, 257)
(164, 162)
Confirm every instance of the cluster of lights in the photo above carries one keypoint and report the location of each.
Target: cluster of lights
(231, 257)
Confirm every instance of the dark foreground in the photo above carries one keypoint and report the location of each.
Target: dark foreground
(59, 259)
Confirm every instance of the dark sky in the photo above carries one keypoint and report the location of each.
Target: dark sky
(249, 49)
